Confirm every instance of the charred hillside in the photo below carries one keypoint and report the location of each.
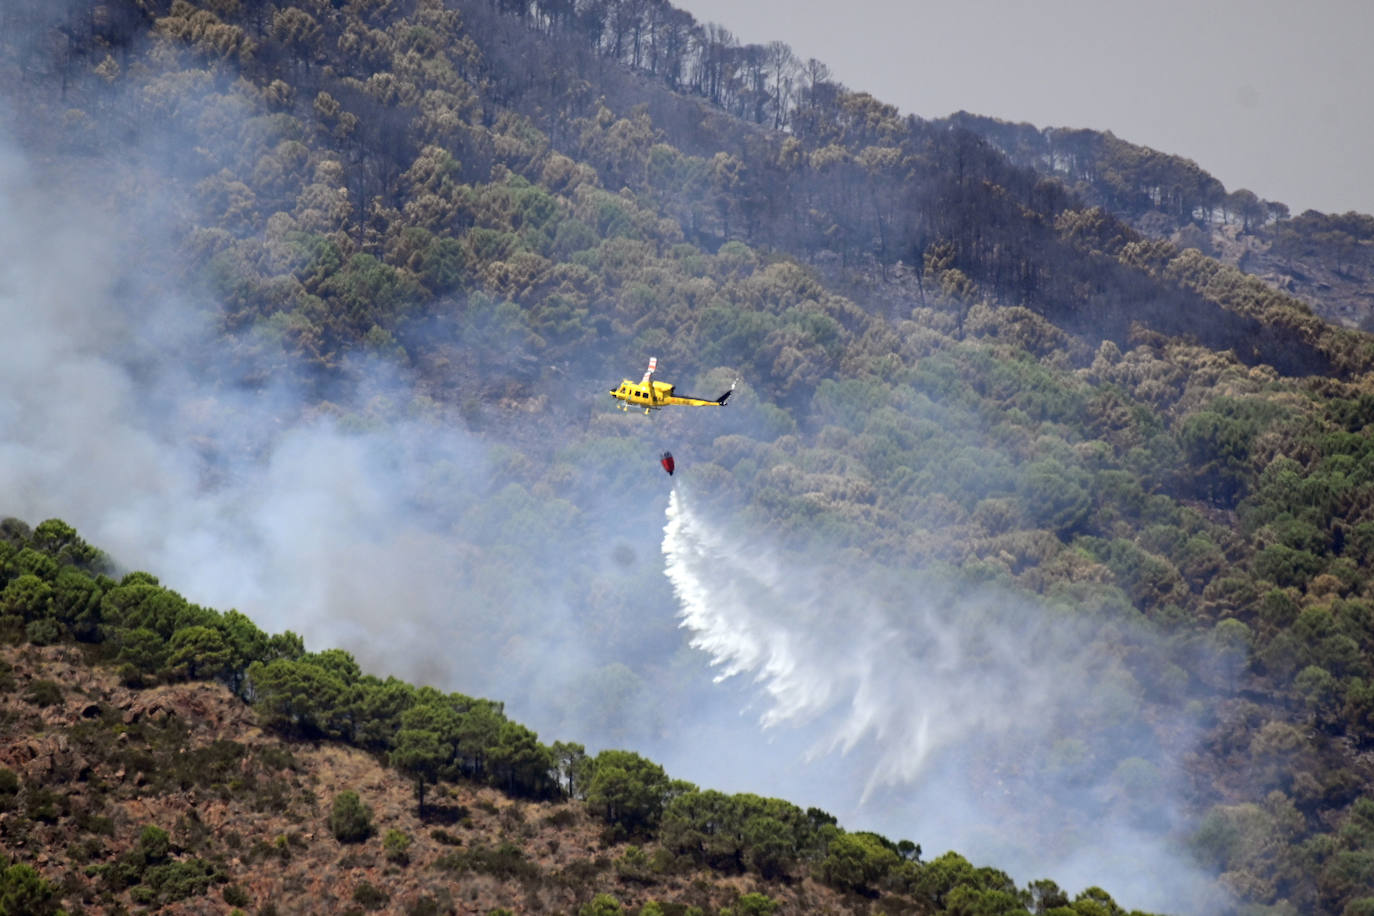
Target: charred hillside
(851, 185)
(1323, 259)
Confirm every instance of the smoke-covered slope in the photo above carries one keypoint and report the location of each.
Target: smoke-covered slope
(314, 310)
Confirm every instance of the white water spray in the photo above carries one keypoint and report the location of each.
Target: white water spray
(913, 678)
(971, 718)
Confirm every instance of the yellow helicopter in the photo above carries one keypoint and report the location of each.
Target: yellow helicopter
(652, 395)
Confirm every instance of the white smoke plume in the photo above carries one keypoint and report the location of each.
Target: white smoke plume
(374, 521)
(106, 425)
(119, 416)
(965, 719)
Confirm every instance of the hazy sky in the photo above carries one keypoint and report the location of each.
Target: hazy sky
(1270, 95)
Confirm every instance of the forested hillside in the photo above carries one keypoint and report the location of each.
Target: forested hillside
(958, 372)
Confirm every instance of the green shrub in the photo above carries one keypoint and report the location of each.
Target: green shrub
(154, 844)
(9, 788)
(505, 861)
(350, 820)
(95, 823)
(633, 865)
(12, 634)
(562, 817)
(369, 896)
(86, 850)
(755, 904)
(43, 805)
(24, 890)
(43, 632)
(44, 693)
(425, 906)
(440, 835)
(396, 845)
(179, 880)
(857, 861)
(600, 905)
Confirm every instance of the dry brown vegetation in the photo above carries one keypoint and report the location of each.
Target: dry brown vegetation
(102, 761)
